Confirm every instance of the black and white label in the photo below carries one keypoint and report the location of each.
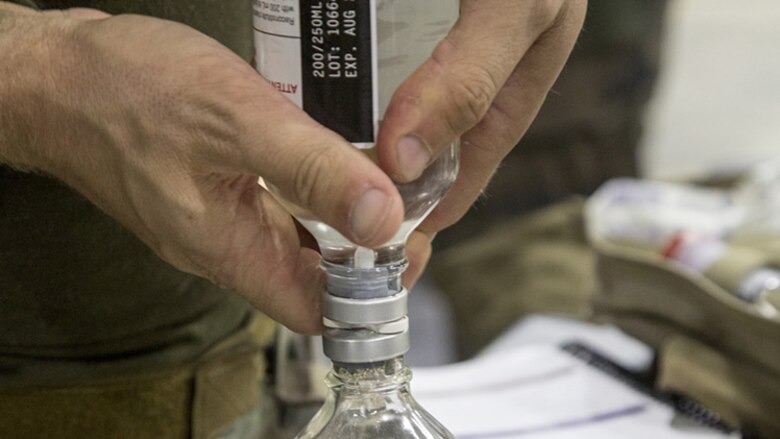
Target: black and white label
(322, 55)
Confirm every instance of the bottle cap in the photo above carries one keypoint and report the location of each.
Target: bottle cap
(363, 345)
(365, 311)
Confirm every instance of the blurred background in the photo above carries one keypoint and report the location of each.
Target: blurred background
(717, 101)
(679, 90)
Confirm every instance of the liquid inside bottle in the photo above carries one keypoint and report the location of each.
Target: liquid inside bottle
(406, 32)
(419, 197)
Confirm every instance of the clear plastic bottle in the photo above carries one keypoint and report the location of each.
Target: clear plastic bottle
(372, 401)
(406, 33)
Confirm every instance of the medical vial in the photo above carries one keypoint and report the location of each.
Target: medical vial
(341, 61)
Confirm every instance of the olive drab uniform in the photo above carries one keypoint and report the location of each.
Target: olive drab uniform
(98, 336)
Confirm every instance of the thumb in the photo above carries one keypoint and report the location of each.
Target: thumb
(84, 14)
(323, 175)
(453, 90)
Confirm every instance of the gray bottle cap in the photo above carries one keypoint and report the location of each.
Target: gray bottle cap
(365, 311)
(363, 346)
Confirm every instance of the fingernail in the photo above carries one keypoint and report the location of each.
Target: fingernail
(367, 214)
(413, 157)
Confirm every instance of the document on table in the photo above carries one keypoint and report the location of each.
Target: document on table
(540, 391)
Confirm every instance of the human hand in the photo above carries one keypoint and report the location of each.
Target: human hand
(167, 131)
(484, 83)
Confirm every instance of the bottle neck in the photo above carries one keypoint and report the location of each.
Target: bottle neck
(367, 282)
(384, 376)
(364, 311)
(348, 254)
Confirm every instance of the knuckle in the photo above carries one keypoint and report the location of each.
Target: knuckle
(213, 69)
(555, 13)
(546, 12)
(312, 176)
(488, 154)
(217, 71)
(505, 129)
(471, 99)
(574, 11)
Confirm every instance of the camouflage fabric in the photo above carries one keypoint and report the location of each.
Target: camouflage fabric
(537, 263)
(221, 394)
(714, 347)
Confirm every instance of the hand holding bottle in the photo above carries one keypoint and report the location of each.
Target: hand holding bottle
(167, 131)
(484, 83)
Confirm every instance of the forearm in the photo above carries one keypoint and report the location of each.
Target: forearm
(25, 53)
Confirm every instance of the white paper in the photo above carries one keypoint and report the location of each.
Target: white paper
(539, 391)
(607, 340)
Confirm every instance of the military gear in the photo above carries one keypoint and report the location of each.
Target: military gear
(712, 346)
(222, 394)
(538, 263)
